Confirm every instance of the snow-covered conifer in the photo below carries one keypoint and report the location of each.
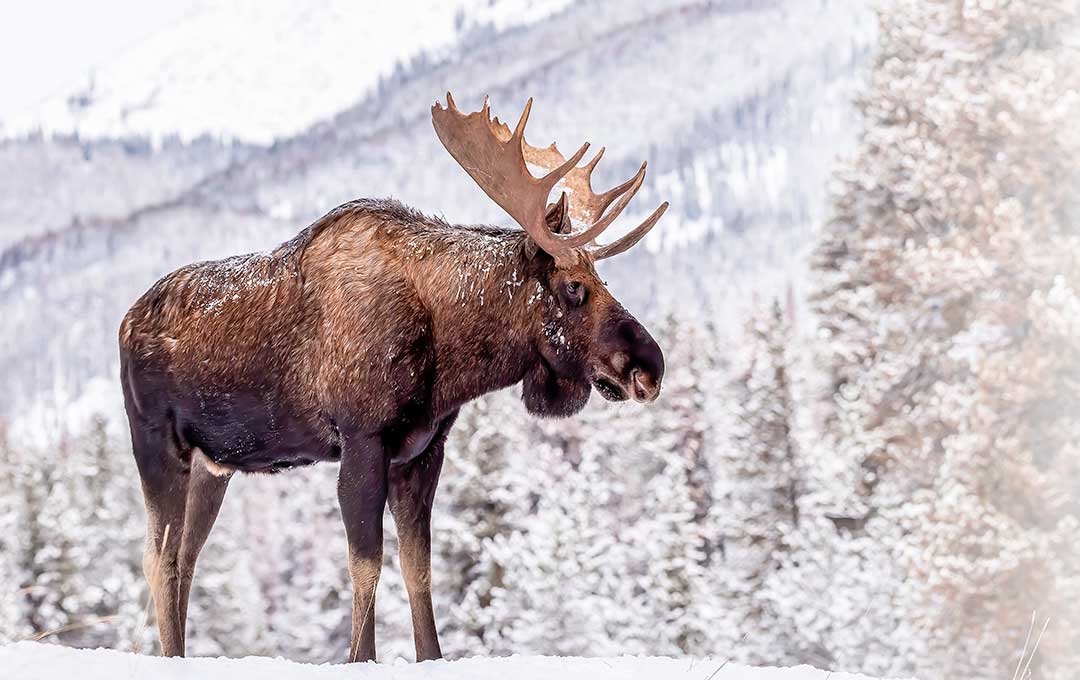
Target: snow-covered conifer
(947, 291)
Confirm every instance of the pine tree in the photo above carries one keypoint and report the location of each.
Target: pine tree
(565, 567)
(674, 611)
(74, 550)
(482, 496)
(947, 292)
(13, 623)
(759, 492)
(107, 538)
(226, 611)
(50, 558)
(675, 538)
(294, 520)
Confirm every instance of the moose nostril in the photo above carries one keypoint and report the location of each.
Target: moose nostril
(644, 388)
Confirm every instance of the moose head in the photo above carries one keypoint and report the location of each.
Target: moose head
(584, 337)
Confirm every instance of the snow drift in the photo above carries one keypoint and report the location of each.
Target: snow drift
(36, 661)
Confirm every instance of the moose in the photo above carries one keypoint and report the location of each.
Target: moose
(358, 340)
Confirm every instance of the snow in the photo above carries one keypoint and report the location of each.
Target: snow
(37, 661)
(258, 71)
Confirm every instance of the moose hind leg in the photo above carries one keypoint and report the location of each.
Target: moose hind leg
(362, 497)
(412, 492)
(206, 491)
(164, 479)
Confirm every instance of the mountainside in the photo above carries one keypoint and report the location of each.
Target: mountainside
(259, 71)
(752, 107)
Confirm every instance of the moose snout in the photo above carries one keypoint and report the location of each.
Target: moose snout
(637, 360)
(647, 366)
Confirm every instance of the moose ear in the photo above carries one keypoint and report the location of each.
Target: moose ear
(558, 222)
(558, 216)
(531, 249)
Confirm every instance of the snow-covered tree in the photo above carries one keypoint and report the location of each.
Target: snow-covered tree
(13, 624)
(672, 599)
(226, 613)
(948, 298)
(564, 570)
(758, 492)
(483, 495)
(675, 535)
(74, 545)
(106, 538)
(292, 526)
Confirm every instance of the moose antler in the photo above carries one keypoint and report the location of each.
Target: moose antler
(497, 158)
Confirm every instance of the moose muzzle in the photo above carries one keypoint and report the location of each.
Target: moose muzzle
(631, 364)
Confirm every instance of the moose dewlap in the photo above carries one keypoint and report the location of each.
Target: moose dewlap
(358, 341)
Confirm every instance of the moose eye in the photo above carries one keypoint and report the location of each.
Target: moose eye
(575, 293)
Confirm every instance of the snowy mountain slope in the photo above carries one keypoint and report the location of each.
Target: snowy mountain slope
(51, 184)
(36, 661)
(739, 107)
(258, 71)
(661, 81)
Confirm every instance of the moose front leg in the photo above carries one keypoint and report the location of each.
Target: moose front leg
(362, 496)
(414, 474)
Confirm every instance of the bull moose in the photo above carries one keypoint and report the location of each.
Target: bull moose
(358, 340)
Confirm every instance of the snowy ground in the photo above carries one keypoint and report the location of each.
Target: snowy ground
(36, 661)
